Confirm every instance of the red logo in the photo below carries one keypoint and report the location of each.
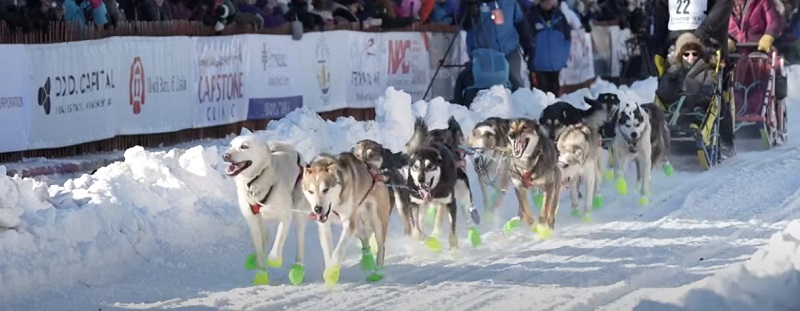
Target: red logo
(137, 85)
(397, 56)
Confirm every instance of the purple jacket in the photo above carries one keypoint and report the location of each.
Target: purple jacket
(759, 17)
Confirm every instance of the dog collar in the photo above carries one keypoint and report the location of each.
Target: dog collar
(255, 208)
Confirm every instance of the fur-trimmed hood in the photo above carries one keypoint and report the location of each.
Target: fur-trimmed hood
(687, 41)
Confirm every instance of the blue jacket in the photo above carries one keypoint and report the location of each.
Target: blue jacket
(551, 39)
(482, 32)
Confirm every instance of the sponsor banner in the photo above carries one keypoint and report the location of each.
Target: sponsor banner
(367, 68)
(221, 74)
(408, 63)
(274, 87)
(580, 66)
(74, 92)
(15, 99)
(156, 87)
(324, 70)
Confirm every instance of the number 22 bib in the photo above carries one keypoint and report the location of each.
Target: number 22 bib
(687, 14)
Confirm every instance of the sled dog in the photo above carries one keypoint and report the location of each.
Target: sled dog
(534, 163)
(388, 164)
(419, 148)
(641, 136)
(490, 138)
(267, 178)
(342, 188)
(598, 116)
(580, 163)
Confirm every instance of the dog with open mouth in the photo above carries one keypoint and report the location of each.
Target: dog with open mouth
(267, 178)
(642, 136)
(418, 147)
(388, 165)
(580, 163)
(342, 188)
(534, 164)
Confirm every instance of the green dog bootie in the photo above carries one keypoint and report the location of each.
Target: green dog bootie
(598, 201)
(433, 244)
(250, 262)
(367, 260)
(512, 225)
(296, 274)
(608, 175)
(668, 170)
(575, 213)
(538, 200)
(587, 217)
(644, 200)
(376, 275)
(622, 186)
(430, 216)
(474, 236)
(331, 275)
(261, 278)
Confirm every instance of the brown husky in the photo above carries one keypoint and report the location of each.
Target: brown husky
(343, 187)
(534, 164)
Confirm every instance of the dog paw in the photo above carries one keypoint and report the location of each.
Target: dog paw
(297, 273)
(367, 260)
(598, 201)
(512, 225)
(261, 278)
(331, 275)
(251, 263)
(575, 213)
(608, 175)
(275, 263)
(474, 236)
(587, 217)
(542, 231)
(622, 186)
(376, 275)
(476, 218)
(644, 200)
(433, 244)
(668, 170)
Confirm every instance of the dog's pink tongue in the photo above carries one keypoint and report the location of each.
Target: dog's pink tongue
(231, 167)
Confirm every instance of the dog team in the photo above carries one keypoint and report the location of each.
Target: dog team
(360, 189)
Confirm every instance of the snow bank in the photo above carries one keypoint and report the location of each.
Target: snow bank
(157, 200)
(770, 280)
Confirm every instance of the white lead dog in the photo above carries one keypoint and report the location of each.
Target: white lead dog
(268, 186)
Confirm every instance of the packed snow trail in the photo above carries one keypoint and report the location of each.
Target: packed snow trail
(161, 230)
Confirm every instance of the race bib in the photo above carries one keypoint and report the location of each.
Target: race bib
(686, 14)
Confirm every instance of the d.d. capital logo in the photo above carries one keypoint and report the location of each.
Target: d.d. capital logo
(323, 70)
(44, 96)
(137, 85)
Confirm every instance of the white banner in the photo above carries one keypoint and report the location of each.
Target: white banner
(580, 66)
(274, 86)
(367, 68)
(15, 100)
(156, 85)
(75, 87)
(220, 78)
(324, 70)
(408, 63)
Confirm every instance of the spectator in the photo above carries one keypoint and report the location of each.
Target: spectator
(258, 12)
(551, 37)
(179, 10)
(500, 26)
(345, 12)
(573, 19)
(324, 8)
(757, 21)
(408, 8)
(382, 13)
(163, 11)
(300, 10)
(442, 12)
(139, 10)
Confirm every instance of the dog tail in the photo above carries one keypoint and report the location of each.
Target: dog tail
(455, 131)
(420, 129)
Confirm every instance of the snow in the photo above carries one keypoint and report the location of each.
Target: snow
(160, 229)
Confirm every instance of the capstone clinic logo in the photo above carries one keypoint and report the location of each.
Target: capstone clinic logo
(323, 70)
(136, 89)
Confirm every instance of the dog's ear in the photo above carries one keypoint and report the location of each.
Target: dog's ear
(590, 101)
(307, 169)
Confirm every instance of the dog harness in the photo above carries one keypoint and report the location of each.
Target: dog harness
(255, 208)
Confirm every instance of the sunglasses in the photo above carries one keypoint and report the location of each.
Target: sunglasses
(687, 54)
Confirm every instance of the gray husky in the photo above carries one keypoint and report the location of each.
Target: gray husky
(437, 176)
(641, 135)
(488, 139)
(580, 162)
